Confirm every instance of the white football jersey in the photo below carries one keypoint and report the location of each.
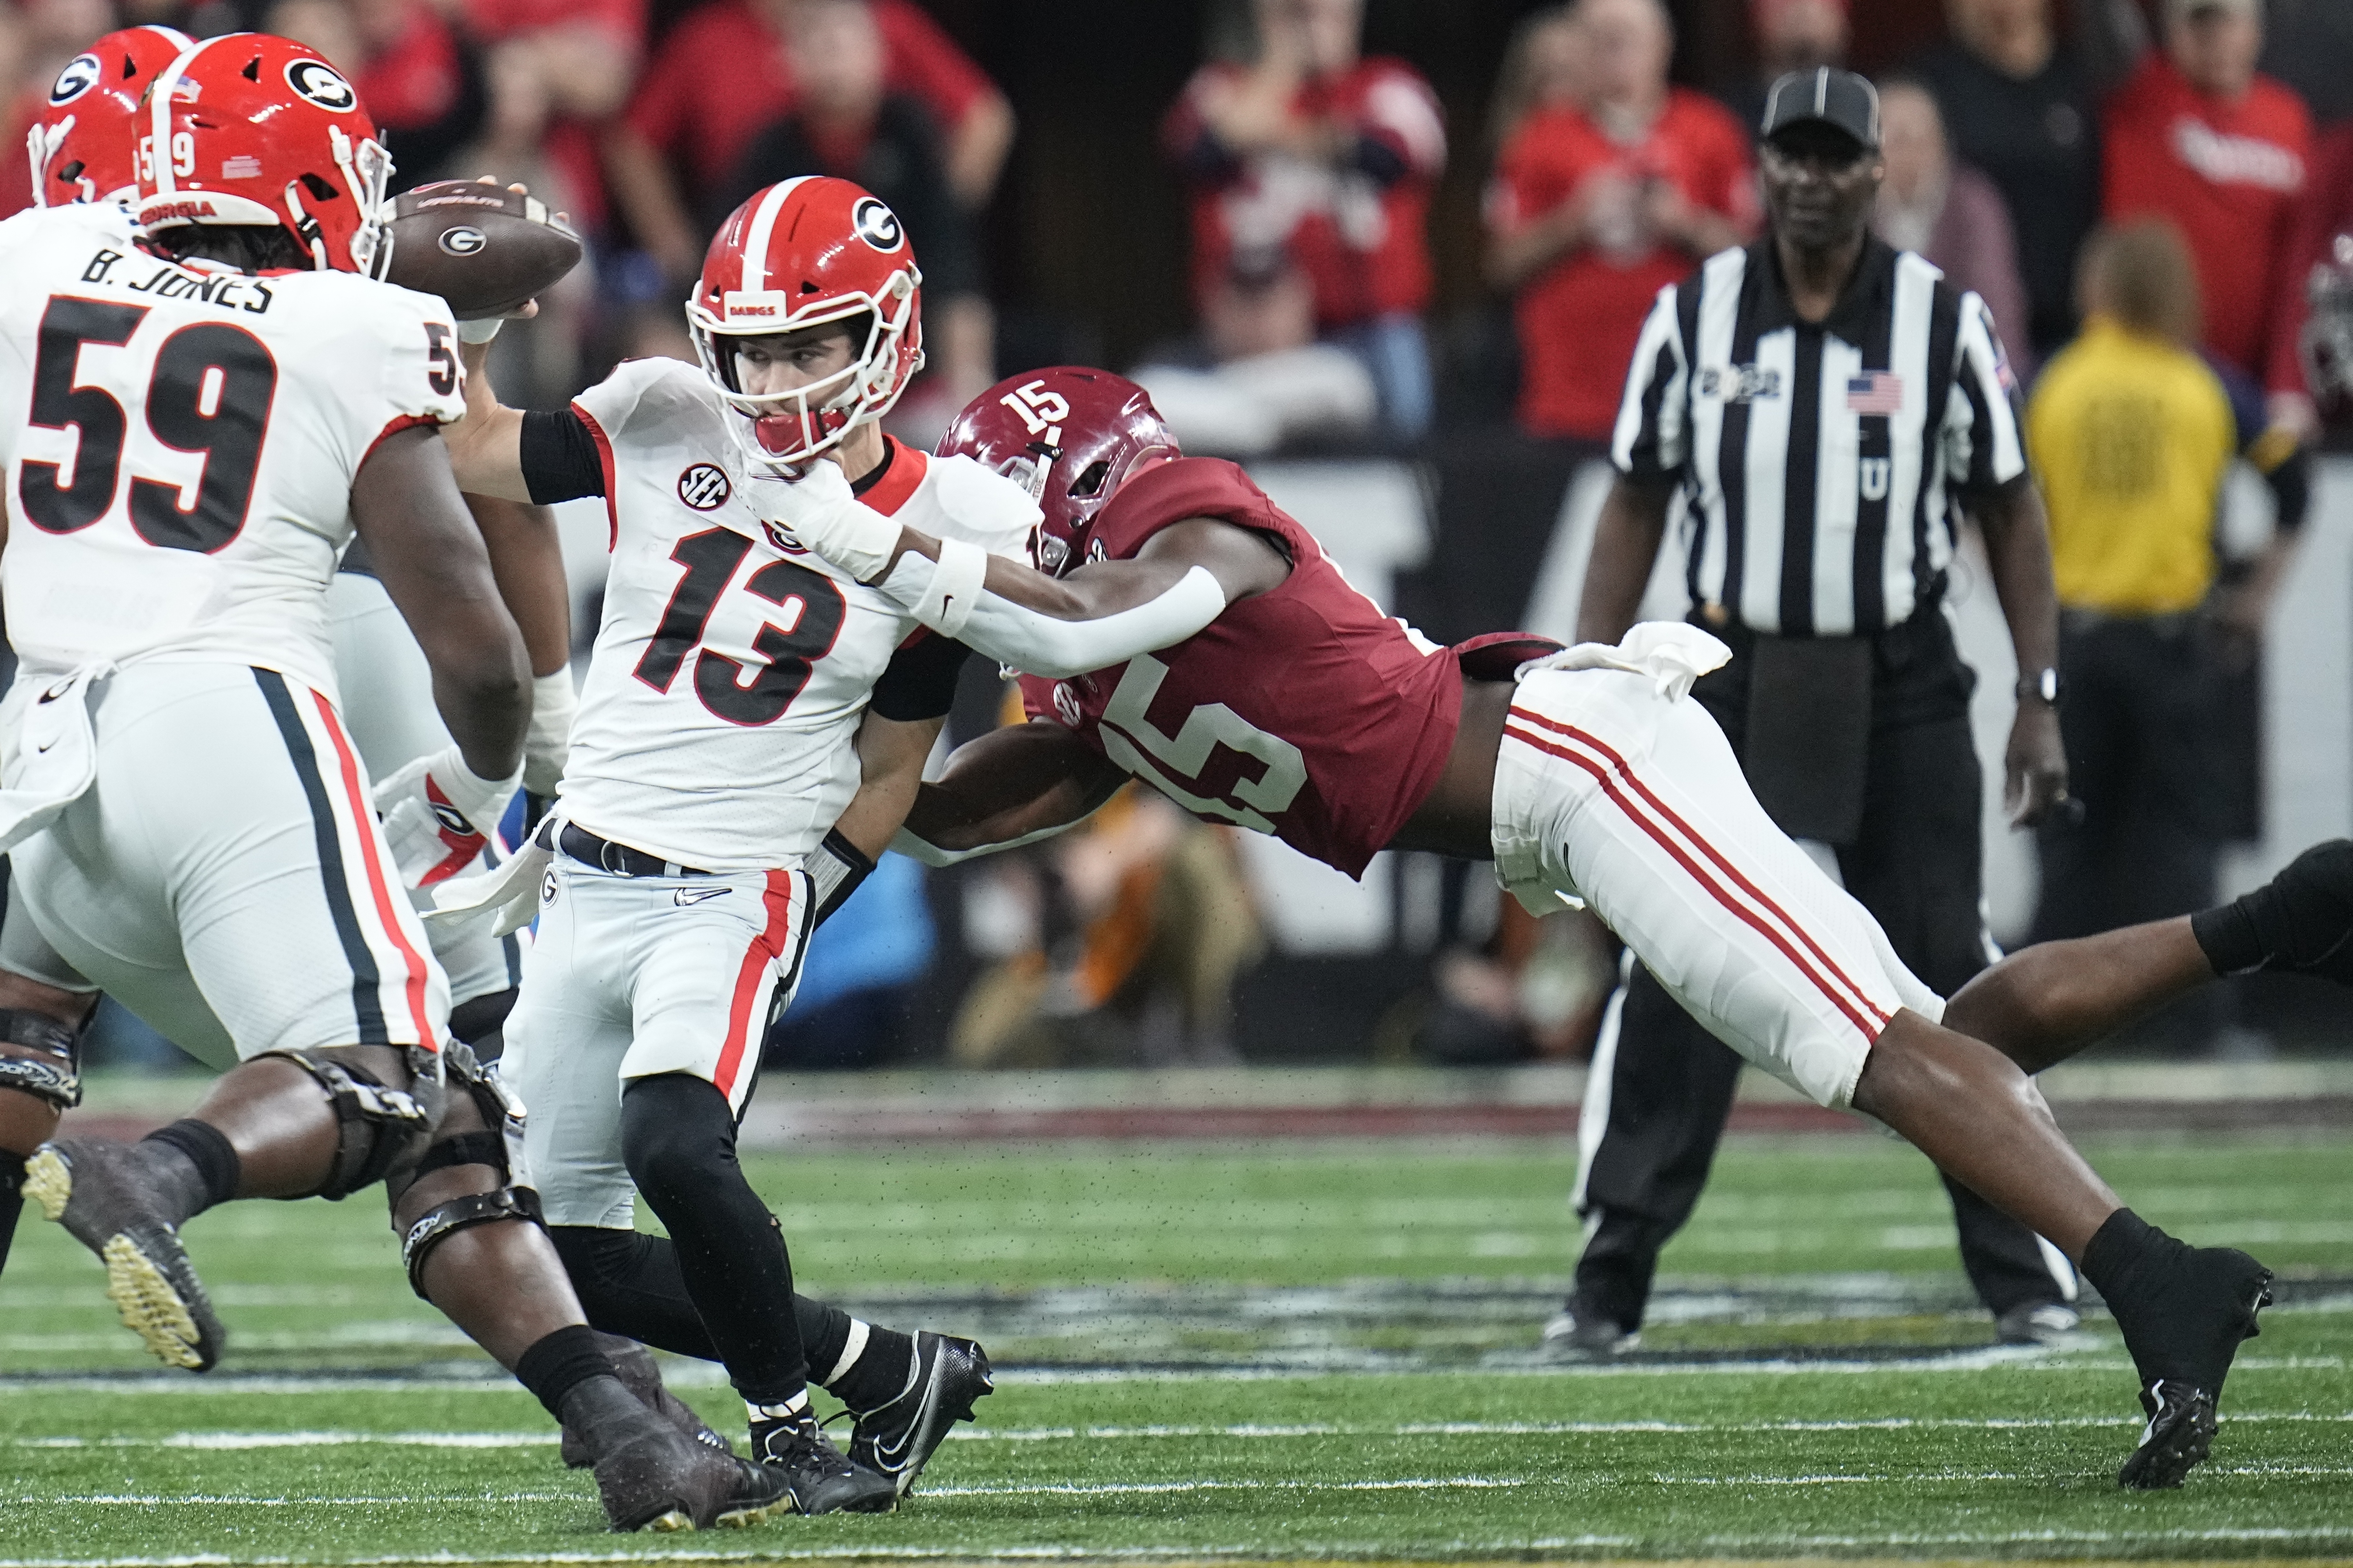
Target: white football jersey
(179, 444)
(716, 727)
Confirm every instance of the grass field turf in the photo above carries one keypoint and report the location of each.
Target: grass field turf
(1466, 1450)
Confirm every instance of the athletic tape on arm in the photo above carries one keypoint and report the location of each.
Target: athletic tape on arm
(1028, 640)
(914, 848)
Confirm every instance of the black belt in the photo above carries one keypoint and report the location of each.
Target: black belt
(618, 860)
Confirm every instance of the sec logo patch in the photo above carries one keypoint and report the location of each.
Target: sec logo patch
(704, 487)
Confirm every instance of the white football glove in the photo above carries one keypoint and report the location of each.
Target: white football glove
(818, 511)
(438, 815)
(554, 703)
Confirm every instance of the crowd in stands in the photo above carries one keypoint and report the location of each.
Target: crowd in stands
(2213, 134)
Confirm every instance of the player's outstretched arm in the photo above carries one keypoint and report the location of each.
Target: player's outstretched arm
(429, 555)
(1012, 786)
(486, 446)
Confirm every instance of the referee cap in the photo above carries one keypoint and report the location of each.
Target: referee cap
(1826, 96)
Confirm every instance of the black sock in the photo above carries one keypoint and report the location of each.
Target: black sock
(878, 1374)
(2122, 1241)
(561, 1362)
(2229, 936)
(12, 1201)
(194, 1164)
(678, 1138)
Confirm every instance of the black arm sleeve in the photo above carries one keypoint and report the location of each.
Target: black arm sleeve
(559, 457)
(2291, 485)
(921, 680)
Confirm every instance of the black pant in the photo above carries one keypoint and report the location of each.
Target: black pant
(1914, 865)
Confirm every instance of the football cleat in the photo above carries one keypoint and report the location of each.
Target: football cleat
(2183, 1331)
(813, 1471)
(1568, 1337)
(634, 1364)
(651, 1475)
(96, 1190)
(897, 1438)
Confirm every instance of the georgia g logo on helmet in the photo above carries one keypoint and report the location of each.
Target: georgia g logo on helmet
(877, 224)
(81, 74)
(315, 82)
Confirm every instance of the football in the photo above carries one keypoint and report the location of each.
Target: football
(482, 247)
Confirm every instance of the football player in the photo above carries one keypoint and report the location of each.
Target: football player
(1180, 628)
(741, 692)
(217, 395)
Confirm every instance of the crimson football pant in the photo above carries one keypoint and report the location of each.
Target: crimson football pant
(1916, 866)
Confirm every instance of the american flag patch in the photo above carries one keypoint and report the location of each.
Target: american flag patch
(1879, 393)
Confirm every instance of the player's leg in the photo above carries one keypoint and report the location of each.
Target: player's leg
(1660, 1089)
(1658, 830)
(2044, 1003)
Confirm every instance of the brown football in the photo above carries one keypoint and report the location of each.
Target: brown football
(482, 248)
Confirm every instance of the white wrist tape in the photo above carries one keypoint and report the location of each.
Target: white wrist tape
(914, 848)
(548, 742)
(480, 332)
(1015, 635)
(948, 599)
(821, 511)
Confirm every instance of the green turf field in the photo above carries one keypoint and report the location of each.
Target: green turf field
(1215, 1351)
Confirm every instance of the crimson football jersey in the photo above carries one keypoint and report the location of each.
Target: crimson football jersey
(1304, 712)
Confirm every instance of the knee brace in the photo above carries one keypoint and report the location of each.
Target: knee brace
(40, 1056)
(376, 1126)
(438, 1223)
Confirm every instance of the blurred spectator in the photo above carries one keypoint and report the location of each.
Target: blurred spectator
(587, 53)
(859, 977)
(1948, 211)
(1163, 929)
(2022, 108)
(1596, 206)
(423, 85)
(1318, 154)
(2316, 357)
(1791, 35)
(2131, 433)
(2197, 136)
(725, 73)
(1255, 380)
(1544, 68)
(846, 122)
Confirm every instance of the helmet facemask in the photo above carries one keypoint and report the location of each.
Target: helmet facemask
(781, 432)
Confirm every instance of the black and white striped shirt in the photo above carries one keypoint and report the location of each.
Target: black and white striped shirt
(1817, 467)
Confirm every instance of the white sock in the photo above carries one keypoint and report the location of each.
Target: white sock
(792, 1409)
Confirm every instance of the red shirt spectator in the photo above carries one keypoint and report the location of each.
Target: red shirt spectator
(725, 75)
(1578, 319)
(2229, 172)
(1355, 225)
(492, 20)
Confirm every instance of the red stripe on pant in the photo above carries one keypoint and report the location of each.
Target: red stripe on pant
(760, 956)
(1722, 862)
(379, 886)
(1740, 911)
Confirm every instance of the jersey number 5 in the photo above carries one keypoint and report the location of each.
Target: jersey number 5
(210, 391)
(710, 558)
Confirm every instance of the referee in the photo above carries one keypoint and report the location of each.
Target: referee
(1810, 411)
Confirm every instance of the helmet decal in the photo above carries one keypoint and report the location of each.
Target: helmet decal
(1070, 437)
(877, 224)
(81, 74)
(316, 81)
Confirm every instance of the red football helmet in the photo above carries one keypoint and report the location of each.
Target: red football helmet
(1069, 436)
(253, 129)
(800, 254)
(82, 148)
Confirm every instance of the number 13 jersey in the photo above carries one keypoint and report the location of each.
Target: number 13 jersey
(1302, 711)
(180, 443)
(717, 725)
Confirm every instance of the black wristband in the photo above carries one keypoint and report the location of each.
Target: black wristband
(2229, 938)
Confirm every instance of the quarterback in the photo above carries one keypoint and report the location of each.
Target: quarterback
(1253, 685)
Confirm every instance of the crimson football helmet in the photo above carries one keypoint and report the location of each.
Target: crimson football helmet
(800, 254)
(82, 148)
(1070, 437)
(248, 129)
(2328, 335)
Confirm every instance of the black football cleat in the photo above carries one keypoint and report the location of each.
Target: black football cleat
(897, 1438)
(651, 1475)
(95, 1188)
(814, 1473)
(2191, 1309)
(634, 1364)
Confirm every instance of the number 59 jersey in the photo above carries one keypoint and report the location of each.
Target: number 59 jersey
(180, 443)
(717, 725)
